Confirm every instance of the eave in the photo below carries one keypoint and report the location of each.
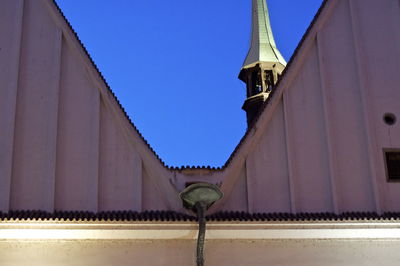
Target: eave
(298, 231)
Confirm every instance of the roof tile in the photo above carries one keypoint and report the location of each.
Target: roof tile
(170, 216)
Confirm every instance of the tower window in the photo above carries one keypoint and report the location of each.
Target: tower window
(256, 80)
(269, 79)
(392, 159)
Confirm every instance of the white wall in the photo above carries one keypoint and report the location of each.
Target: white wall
(217, 253)
(325, 152)
(65, 143)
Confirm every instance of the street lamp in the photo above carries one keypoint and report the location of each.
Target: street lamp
(198, 198)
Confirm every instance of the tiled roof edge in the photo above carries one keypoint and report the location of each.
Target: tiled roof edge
(249, 129)
(171, 216)
(107, 85)
(288, 66)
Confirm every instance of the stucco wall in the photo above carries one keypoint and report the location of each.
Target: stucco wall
(322, 148)
(217, 253)
(151, 243)
(65, 143)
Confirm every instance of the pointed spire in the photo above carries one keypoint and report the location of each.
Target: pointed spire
(263, 47)
(264, 63)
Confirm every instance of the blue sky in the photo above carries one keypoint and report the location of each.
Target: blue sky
(174, 65)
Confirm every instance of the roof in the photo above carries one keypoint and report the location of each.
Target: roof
(262, 47)
(171, 216)
(250, 127)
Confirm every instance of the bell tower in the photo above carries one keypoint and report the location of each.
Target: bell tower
(263, 64)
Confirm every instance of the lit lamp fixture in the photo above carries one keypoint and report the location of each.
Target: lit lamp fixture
(198, 198)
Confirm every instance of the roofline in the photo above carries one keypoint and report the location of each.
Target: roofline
(102, 78)
(278, 84)
(251, 128)
(129, 216)
(146, 152)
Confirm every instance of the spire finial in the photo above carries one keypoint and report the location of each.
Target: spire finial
(262, 47)
(264, 63)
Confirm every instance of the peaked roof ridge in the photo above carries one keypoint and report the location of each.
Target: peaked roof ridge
(277, 85)
(249, 129)
(169, 167)
(107, 85)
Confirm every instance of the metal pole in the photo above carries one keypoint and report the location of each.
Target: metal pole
(201, 208)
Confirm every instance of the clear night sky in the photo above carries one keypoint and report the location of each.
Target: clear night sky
(174, 65)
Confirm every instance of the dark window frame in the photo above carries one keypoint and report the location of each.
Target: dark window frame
(385, 151)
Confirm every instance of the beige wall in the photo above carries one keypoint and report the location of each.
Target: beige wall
(217, 253)
(345, 243)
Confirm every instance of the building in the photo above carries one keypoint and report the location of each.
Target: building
(314, 180)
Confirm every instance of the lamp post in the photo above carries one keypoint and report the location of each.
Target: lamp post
(198, 198)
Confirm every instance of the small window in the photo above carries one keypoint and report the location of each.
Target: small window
(256, 82)
(392, 159)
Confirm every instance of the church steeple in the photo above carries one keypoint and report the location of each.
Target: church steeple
(264, 63)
